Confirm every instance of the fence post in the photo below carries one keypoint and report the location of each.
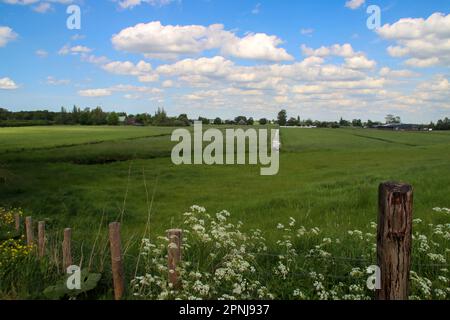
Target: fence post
(174, 255)
(394, 239)
(41, 238)
(116, 260)
(29, 230)
(67, 250)
(17, 219)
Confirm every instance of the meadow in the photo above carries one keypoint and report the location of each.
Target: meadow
(85, 177)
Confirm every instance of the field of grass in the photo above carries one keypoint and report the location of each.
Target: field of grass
(81, 177)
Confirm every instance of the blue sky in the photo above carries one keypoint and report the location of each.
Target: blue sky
(317, 59)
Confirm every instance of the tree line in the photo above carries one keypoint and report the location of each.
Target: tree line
(96, 116)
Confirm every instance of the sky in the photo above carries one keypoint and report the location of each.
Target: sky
(322, 59)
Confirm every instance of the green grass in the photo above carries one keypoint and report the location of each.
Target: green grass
(328, 178)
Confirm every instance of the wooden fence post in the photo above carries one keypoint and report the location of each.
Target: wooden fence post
(116, 260)
(29, 230)
(17, 219)
(67, 250)
(394, 239)
(41, 238)
(174, 256)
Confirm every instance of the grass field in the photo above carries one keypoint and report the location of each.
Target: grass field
(328, 178)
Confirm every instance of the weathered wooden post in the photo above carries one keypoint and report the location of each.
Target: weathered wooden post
(41, 238)
(394, 239)
(67, 249)
(174, 256)
(29, 230)
(17, 220)
(116, 260)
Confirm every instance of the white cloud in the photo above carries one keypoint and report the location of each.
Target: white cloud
(6, 35)
(307, 31)
(7, 84)
(41, 53)
(130, 4)
(93, 93)
(359, 62)
(129, 90)
(56, 82)
(345, 50)
(354, 4)
(155, 40)
(256, 9)
(142, 70)
(74, 50)
(394, 74)
(425, 42)
(259, 46)
(43, 7)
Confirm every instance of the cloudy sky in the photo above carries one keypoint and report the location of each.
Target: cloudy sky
(317, 59)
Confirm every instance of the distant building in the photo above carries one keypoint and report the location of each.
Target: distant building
(122, 119)
(398, 127)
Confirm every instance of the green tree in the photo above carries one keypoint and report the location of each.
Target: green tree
(113, 119)
(282, 117)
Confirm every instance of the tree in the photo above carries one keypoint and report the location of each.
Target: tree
(357, 123)
(160, 118)
(263, 121)
(184, 120)
(203, 120)
(112, 119)
(250, 121)
(390, 119)
(241, 120)
(344, 123)
(282, 117)
(292, 122)
(217, 121)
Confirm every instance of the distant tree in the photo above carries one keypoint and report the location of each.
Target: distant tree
(240, 120)
(183, 120)
(250, 121)
(85, 117)
(204, 120)
(357, 123)
(390, 119)
(217, 121)
(344, 123)
(113, 119)
(282, 117)
(263, 121)
(292, 122)
(160, 118)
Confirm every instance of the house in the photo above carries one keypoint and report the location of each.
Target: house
(398, 127)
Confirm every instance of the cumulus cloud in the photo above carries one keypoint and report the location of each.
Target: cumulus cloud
(6, 35)
(167, 42)
(142, 70)
(423, 42)
(354, 4)
(7, 84)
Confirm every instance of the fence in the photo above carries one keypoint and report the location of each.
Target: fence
(394, 240)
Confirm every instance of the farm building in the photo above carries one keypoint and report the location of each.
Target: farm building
(398, 127)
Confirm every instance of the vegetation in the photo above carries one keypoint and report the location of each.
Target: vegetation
(89, 176)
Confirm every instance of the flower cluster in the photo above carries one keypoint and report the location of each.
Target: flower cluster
(221, 261)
